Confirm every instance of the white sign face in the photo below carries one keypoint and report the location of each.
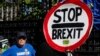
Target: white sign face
(67, 25)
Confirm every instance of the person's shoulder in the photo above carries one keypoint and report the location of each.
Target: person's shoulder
(13, 47)
(27, 44)
(31, 47)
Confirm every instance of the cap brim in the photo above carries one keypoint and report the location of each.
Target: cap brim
(22, 37)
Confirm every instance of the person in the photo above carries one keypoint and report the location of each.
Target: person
(21, 48)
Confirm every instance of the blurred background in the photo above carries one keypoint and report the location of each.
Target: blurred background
(28, 16)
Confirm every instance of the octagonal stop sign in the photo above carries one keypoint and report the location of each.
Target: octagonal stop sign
(67, 25)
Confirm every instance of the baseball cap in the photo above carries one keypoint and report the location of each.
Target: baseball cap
(21, 35)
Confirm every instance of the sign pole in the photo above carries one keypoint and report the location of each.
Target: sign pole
(68, 53)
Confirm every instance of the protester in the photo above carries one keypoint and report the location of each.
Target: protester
(21, 48)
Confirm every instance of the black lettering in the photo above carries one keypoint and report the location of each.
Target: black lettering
(59, 34)
(64, 11)
(71, 18)
(69, 33)
(54, 34)
(56, 15)
(79, 31)
(78, 12)
(63, 33)
(74, 33)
